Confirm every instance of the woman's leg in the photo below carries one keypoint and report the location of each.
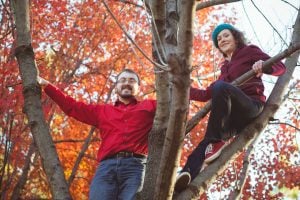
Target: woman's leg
(195, 159)
(231, 110)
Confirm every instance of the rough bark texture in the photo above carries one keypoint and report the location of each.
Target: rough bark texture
(206, 4)
(180, 64)
(157, 134)
(33, 106)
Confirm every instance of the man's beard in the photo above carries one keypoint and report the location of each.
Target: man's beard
(126, 96)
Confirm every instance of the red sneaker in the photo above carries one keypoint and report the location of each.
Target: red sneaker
(213, 150)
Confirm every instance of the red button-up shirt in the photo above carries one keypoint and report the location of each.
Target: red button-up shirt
(122, 127)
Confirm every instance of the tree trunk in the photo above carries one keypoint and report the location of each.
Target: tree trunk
(33, 106)
(158, 132)
(180, 64)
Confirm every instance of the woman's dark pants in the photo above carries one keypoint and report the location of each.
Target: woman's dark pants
(231, 111)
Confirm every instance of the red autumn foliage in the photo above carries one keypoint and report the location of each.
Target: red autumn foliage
(79, 48)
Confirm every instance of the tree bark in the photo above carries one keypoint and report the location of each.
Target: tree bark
(158, 132)
(207, 4)
(180, 64)
(32, 103)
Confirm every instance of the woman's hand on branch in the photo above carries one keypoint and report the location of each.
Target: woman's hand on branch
(257, 68)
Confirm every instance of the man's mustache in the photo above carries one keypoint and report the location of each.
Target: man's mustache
(126, 87)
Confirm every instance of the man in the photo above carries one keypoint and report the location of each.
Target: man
(124, 129)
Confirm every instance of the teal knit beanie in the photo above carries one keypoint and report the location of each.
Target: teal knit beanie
(218, 29)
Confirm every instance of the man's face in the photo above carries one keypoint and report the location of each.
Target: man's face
(127, 85)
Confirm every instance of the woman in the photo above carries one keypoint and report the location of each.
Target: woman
(233, 107)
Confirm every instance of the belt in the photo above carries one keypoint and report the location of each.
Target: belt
(125, 154)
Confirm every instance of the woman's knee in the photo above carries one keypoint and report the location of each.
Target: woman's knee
(219, 86)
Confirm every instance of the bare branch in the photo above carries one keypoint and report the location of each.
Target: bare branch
(283, 40)
(81, 155)
(131, 3)
(74, 140)
(290, 5)
(26, 167)
(162, 67)
(210, 3)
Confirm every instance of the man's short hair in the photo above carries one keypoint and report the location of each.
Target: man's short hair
(129, 71)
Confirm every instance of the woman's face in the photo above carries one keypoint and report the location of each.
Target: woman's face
(226, 42)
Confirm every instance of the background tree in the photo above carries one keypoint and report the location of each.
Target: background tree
(79, 47)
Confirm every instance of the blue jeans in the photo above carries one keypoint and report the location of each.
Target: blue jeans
(118, 179)
(231, 111)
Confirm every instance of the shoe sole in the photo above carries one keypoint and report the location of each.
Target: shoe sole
(216, 155)
(182, 183)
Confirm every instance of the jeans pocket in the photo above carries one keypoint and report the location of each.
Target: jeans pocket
(142, 161)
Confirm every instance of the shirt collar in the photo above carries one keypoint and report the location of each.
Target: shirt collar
(237, 50)
(120, 103)
(234, 53)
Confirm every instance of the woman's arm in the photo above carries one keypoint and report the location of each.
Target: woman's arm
(259, 56)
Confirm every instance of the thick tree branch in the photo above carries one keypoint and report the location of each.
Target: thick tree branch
(180, 63)
(244, 172)
(210, 3)
(158, 131)
(32, 104)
